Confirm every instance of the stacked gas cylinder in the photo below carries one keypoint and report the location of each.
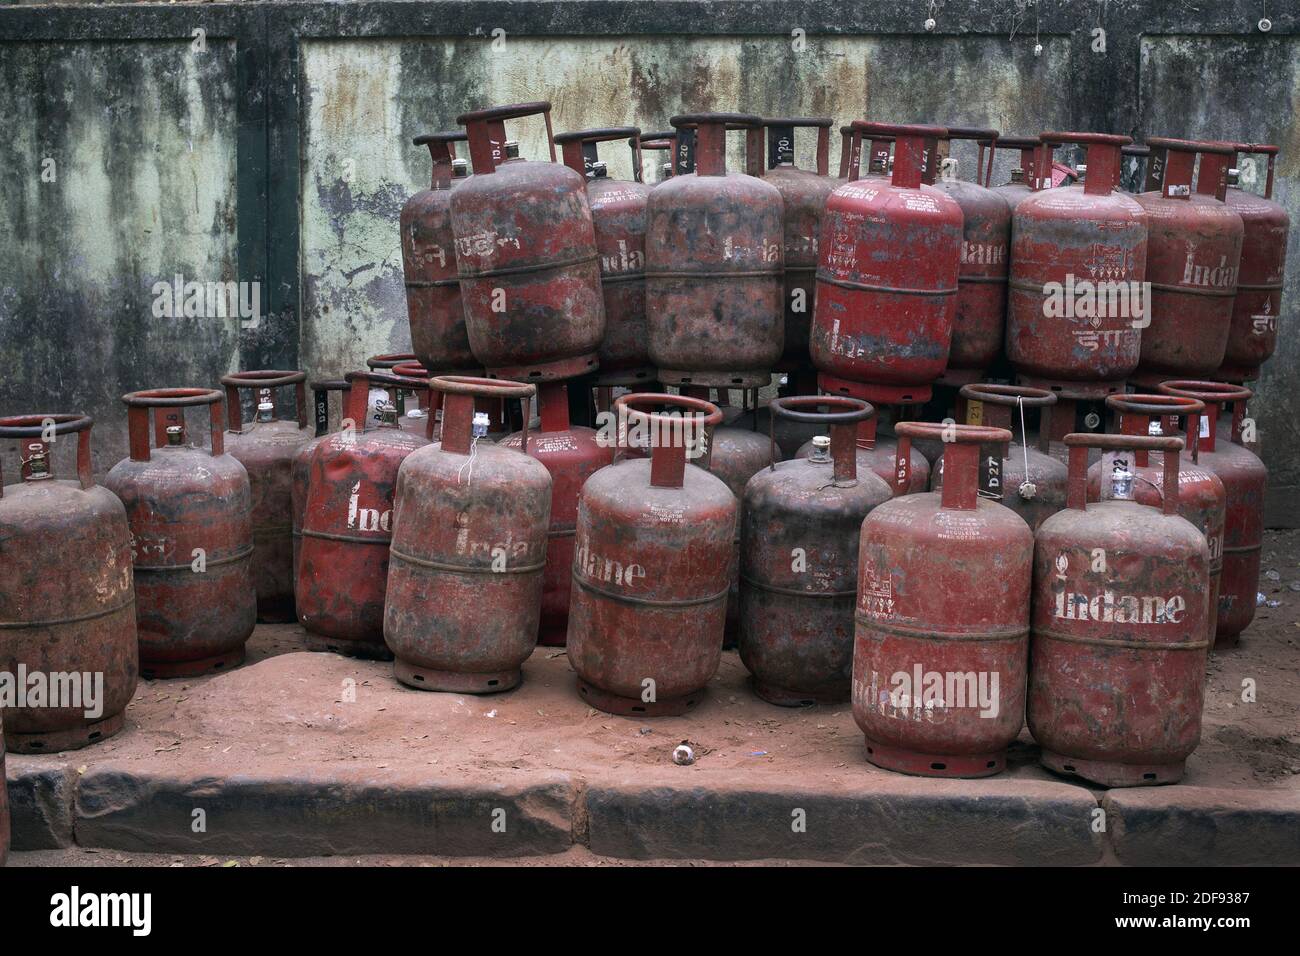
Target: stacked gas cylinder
(1075, 579)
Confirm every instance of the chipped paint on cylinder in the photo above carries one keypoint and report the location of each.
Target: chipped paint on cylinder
(347, 529)
(650, 574)
(714, 258)
(470, 539)
(1120, 612)
(941, 640)
(889, 259)
(1194, 246)
(64, 610)
(800, 522)
(190, 513)
(572, 454)
(1064, 237)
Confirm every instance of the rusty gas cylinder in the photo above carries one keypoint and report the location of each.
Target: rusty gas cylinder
(348, 524)
(266, 447)
(572, 454)
(1028, 480)
(889, 257)
(650, 566)
(190, 513)
(1244, 480)
(1258, 306)
(941, 647)
(982, 276)
(433, 304)
(526, 256)
(1120, 608)
(735, 453)
(1068, 243)
(803, 193)
(618, 212)
(301, 471)
(1202, 499)
(1193, 255)
(714, 256)
(469, 549)
(800, 522)
(877, 453)
(67, 602)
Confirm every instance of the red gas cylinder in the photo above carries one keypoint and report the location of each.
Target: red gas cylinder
(618, 210)
(941, 647)
(438, 333)
(572, 454)
(653, 546)
(804, 193)
(190, 512)
(800, 522)
(1193, 255)
(266, 447)
(1067, 241)
(67, 604)
(982, 276)
(302, 460)
(1120, 610)
(877, 454)
(1244, 480)
(1258, 304)
(348, 523)
(1202, 499)
(1035, 171)
(714, 258)
(889, 256)
(526, 255)
(1028, 480)
(469, 547)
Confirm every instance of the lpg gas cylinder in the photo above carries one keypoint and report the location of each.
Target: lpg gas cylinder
(1258, 305)
(803, 192)
(1202, 499)
(190, 512)
(1068, 245)
(348, 523)
(1020, 183)
(67, 603)
(1027, 480)
(302, 460)
(1244, 479)
(526, 256)
(887, 272)
(469, 547)
(1193, 254)
(433, 304)
(266, 447)
(982, 276)
(1120, 609)
(800, 522)
(572, 454)
(714, 257)
(618, 211)
(650, 566)
(877, 454)
(941, 646)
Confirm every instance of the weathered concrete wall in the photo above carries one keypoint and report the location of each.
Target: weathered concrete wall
(1246, 90)
(120, 172)
(363, 101)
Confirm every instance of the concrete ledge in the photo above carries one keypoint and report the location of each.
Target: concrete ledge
(901, 820)
(1186, 826)
(41, 792)
(322, 814)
